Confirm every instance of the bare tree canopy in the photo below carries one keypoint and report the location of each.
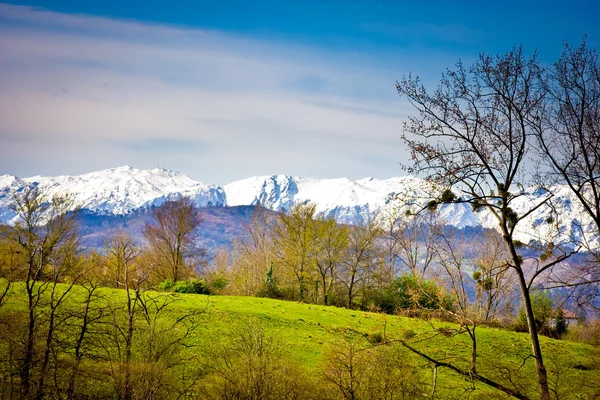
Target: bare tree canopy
(172, 236)
(472, 134)
(570, 141)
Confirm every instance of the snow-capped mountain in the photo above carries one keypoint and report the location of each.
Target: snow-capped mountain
(124, 190)
(116, 191)
(352, 201)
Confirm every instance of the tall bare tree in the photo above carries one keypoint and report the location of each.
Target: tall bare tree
(570, 148)
(362, 254)
(331, 241)
(472, 134)
(172, 236)
(413, 237)
(570, 140)
(295, 244)
(46, 234)
(253, 255)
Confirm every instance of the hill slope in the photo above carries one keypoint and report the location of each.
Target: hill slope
(309, 332)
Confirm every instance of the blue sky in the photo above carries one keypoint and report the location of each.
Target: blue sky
(223, 90)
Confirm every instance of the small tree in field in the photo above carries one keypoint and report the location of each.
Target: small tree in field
(172, 237)
(472, 134)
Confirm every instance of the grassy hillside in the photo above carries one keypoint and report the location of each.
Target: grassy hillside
(308, 333)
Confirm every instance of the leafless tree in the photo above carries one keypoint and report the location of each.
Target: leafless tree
(331, 241)
(472, 134)
(570, 148)
(172, 236)
(295, 244)
(253, 254)
(570, 140)
(413, 237)
(362, 254)
(47, 238)
(493, 278)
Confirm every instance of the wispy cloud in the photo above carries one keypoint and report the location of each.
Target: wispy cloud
(78, 92)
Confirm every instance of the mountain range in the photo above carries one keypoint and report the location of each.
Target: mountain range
(126, 193)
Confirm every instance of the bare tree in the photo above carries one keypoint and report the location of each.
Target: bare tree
(117, 342)
(295, 244)
(362, 253)
(493, 278)
(251, 364)
(372, 372)
(570, 148)
(414, 237)
(570, 140)
(47, 237)
(120, 252)
(253, 255)
(172, 236)
(472, 134)
(9, 263)
(331, 241)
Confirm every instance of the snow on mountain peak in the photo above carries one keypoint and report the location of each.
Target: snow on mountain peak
(122, 190)
(116, 191)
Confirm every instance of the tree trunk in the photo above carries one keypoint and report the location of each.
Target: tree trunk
(325, 294)
(351, 290)
(535, 342)
(25, 370)
(533, 334)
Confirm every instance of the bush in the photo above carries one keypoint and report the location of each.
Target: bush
(409, 293)
(586, 333)
(252, 364)
(166, 285)
(195, 286)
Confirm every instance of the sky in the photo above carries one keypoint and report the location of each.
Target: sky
(224, 90)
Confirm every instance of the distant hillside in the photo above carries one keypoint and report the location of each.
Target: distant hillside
(221, 225)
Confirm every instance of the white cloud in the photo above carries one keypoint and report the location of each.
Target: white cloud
(79, 93)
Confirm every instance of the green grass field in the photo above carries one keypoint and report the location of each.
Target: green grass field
(307, 332)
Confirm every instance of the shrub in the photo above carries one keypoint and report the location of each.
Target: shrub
(166, 285)
(252, 364)
(195, 286)
(409, 293)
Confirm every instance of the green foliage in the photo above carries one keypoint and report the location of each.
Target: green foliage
(432, 205)
(192, 286)
(542, 305)
(408, 292)
(512, 217)
(477, 206)
(486, 284)
(219, 283)
(447, 196)
(376, 338)
(270, 288)
(166, 285)
(560, 324)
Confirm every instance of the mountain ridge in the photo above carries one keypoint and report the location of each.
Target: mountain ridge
(125, 190)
